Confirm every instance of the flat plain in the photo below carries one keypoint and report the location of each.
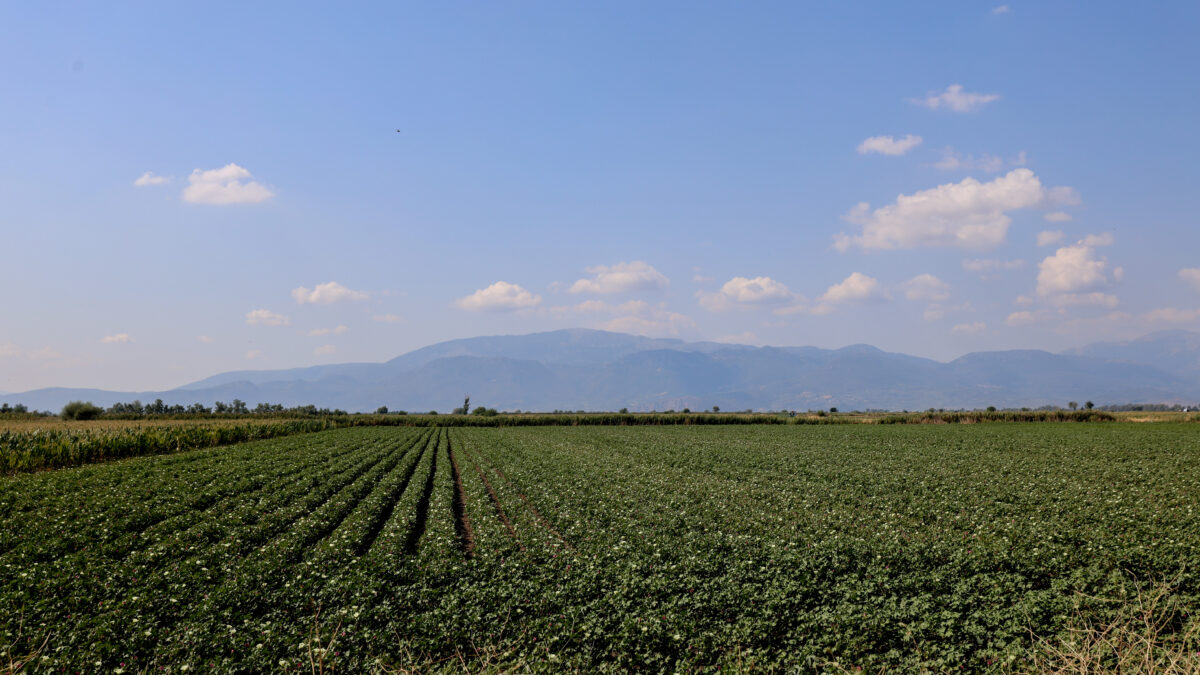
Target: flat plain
(985, 547)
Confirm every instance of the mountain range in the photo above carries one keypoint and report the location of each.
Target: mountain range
(580, 369)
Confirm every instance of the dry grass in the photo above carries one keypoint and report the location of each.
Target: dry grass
(1152, 631)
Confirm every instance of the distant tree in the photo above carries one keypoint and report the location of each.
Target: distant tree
(432, 412)
(381, 410)
(716, 408)
(238, 407)
(1073, 405)
(833, 410)
(687, 411)
(81, 410)
(1089, 405)
(624, 411)
(991, 408)
(466, 404)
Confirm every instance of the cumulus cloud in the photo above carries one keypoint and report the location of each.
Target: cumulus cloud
(1074, 270)
(499, 297)
(886, 145)
(746, 292)
(224, 186)
(655, 322)
(1191, 275)
(326, 293)
(926, 287)
(1057, 216)
(1049, 237)
(955, 99)
(317, 332)
(968, 214)
(387, 318)
(857, 287)
(969, 328)
(1022, 318)
(1173, 315)
(937, 312)
(324, 350)
(621, 278)
(118, 339)
(9, 350)
(953, 160)
(1093, 299)
(149, 178)
(265, 317)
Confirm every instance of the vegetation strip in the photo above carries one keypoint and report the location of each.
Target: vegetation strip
(495, 500)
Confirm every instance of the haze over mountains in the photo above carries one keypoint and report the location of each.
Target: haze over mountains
(581, 369)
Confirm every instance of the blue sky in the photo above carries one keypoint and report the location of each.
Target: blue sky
(187, 189)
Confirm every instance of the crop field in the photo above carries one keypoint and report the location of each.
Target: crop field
(659, 549)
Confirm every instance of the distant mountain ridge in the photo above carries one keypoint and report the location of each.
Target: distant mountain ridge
(582, 369)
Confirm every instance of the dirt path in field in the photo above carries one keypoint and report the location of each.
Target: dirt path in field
(462, 523)
(414, 535)
(533, 509)
(478, 462)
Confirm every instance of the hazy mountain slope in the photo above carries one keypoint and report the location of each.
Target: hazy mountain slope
(1172, 351)
(595, 370)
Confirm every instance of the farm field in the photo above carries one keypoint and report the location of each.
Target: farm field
(785, 547)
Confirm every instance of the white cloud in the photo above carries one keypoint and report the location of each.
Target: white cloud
(953, 160)
(317, 332)
(1022, 318)
(969, 328)
(499, 297)
(1074, 269)
(326, 293)
(986, 267)
(745, 292)
(1023, 301)
(937, 312)
(954, 98)
(1057, 216)
(118, 339)
(254, 354)
(857, 287)
(9, 350)
(658, 323)
(701, 279)
(205, 339)
(387, 318)
(224, 186)
(149, 178)
(1095, 299)
(1098, 240)
(1173, 315)
(621, 278)
(1001, 9)
(1049, 237)
(926, 287)
(324, 350)
(886, 145)
(968, 214)
(1191, 275)
(265, 317)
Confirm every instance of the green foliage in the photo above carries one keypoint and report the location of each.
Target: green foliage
(606, 549)
(80, 410)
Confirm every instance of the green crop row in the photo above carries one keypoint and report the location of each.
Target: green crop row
(605, 549)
